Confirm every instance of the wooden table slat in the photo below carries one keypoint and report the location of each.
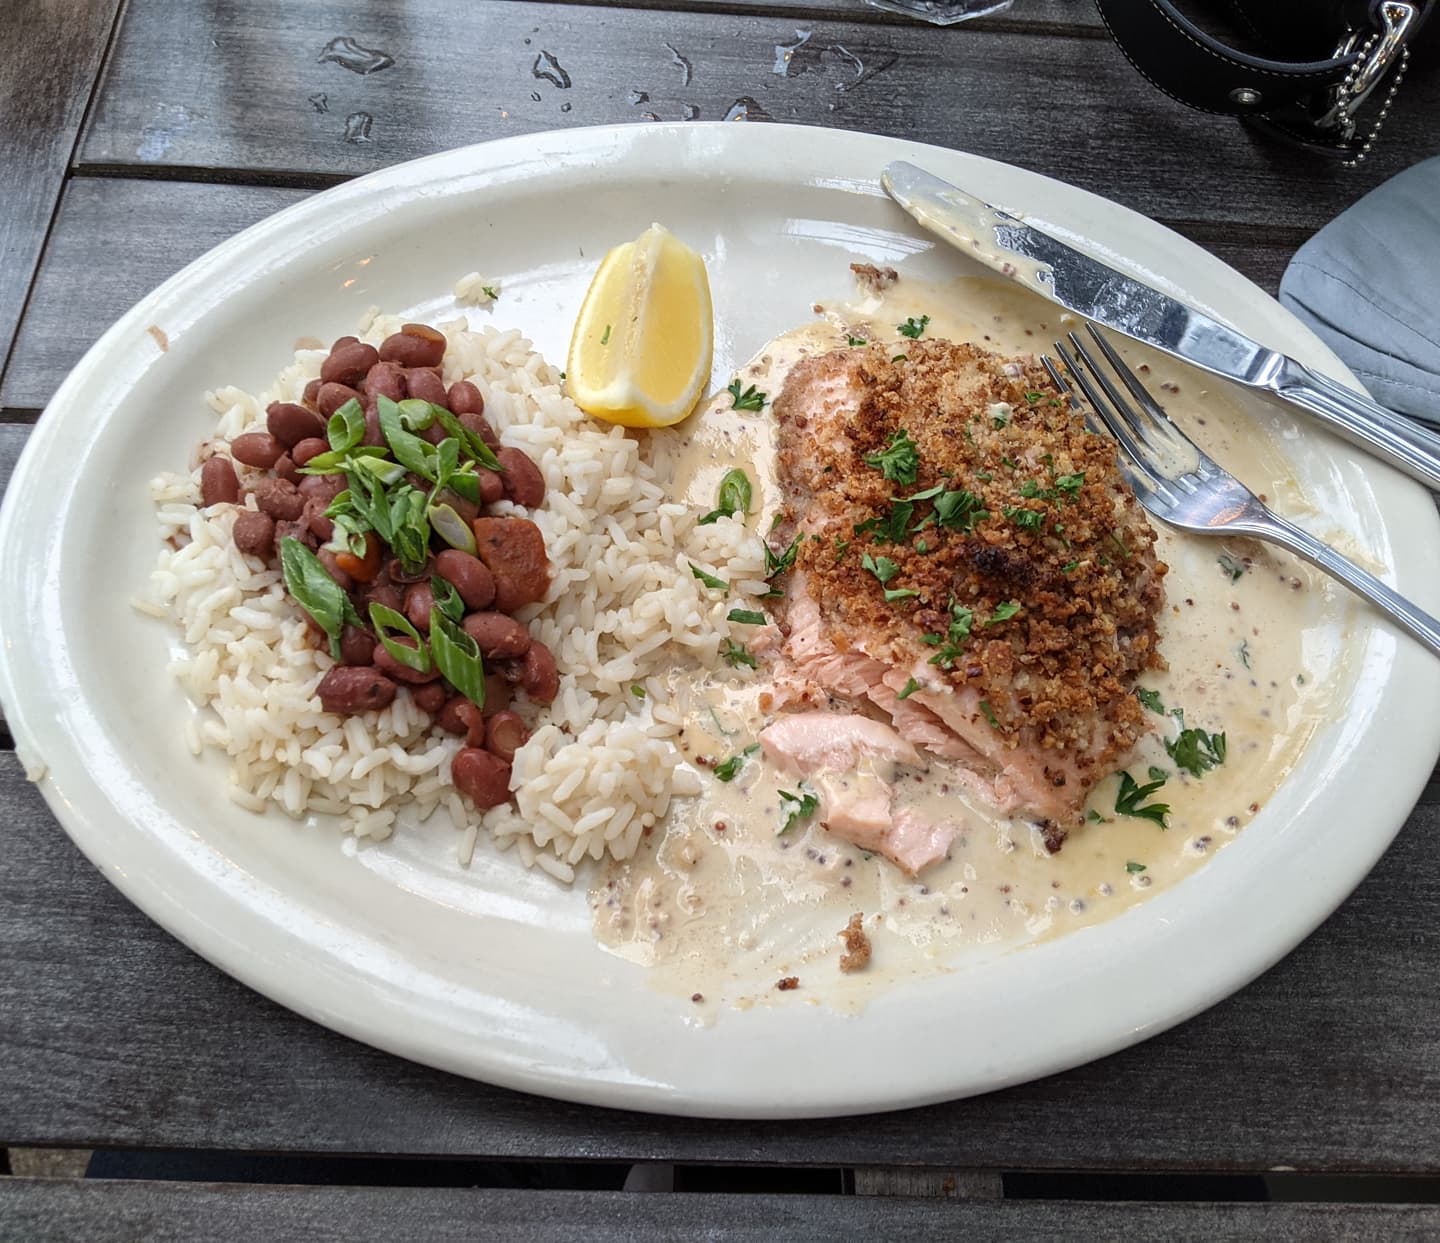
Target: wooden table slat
(46, 72)
(1331, 1061)
(161, 225)
(258, 97)
(159, 1212)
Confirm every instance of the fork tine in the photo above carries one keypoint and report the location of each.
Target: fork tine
(1114, 424)
(1117, 400)
(1159, 420)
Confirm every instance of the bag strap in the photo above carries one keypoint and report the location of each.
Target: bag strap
(1337, 55)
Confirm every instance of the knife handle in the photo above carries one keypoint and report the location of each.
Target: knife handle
(1393, 438)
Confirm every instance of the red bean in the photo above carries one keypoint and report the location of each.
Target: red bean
(254, 533)
(415, 345)
(333, 396)
(310, 399)
(509, 672)
(541, 679)
(480, 425)
(419, 600)
(457, 715)
(327, 559)
(348, 363)
(357, 646)
(426, 385)
(322, 489)
(307, 449)
(341, 342)
(498, 637)
(285, 469)
(219, 484)
(435, 433)
(429, 698)
(278, 498)
(521, 478)
(505, 733)
(482, 776)
(464, 398)
(468, 576)
(373, 434)
(388, 665)
(497, 692)
(294, 530)
(513, 550)
(349, 689)
(259, 449)
(386, 594)
(290, 424)
(387, 380)
(323, 527)
(492, 487)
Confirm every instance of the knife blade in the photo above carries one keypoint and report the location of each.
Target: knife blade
(1092, 288)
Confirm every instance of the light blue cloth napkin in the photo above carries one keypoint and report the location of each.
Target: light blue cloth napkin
(1368, 284)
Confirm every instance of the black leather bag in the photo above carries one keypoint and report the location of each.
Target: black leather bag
(1320, 73)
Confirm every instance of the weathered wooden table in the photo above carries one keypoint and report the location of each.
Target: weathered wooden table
(138, 134)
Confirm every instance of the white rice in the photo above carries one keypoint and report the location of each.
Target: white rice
(624, 610)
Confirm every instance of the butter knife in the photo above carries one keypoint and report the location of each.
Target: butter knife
(1091, 288)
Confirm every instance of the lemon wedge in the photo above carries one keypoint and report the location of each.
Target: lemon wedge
(640, 352)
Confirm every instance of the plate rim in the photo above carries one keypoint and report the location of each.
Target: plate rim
(580, 145)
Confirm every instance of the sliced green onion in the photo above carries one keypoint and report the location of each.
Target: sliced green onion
(457, 656)
(384, 618)
(452, 528)
(346, 427)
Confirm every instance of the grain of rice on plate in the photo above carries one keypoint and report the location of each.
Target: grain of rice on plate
(623, 610)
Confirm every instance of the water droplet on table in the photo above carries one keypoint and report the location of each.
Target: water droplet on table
(746, 109)
(320, 101)
(785, 54)
(638, 97)
(345, 52)
(687, 71)
(548, 69)
(357, 127)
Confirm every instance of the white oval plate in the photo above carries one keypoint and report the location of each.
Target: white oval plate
(493, 973)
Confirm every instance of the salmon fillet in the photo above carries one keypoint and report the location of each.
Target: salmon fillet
(969, 562)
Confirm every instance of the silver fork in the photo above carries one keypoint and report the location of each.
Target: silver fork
(1204, 498)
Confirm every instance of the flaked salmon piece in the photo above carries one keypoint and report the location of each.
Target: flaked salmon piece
(846, 759)
(965, 542)
(805, 743)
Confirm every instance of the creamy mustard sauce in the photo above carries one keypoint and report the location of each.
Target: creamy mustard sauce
(721, 906)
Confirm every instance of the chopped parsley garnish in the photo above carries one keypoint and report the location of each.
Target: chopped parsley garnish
(638, 692)
(1231, 566)
(732, 498)
(854, 341)
(735, 655)
(1030, 489)
(797, 807)
(1094, 816)
(959, 509)
(900, 358)
(910, 688)
(921, 547)
(1245, 652)
(1158, 774)
(882, 567)
(898, 461)
(605, 340)
(709, 579)
(893, 527)
(1120, 543)
(492, 293)
(989, 713)
(840, 546)
(1129, 797)
(778, 564)
(746, 617)
(899, 593)
(1070, 483)
(1013, 465)
(1069, 566)
(751, 399)
(726, 769)
(1196, 751)
(913, 327)
(1133, 868)
(1004, 611)
(953, 641)
(1032, 398)
(1151, 699)
(1025, 519)
(984, 476)
(1001, 418)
